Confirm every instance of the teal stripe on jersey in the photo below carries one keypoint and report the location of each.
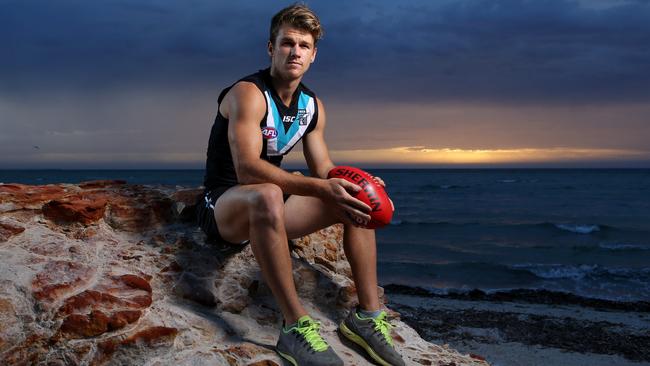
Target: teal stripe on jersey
(276, 115)
(284, 138)
(303, 101)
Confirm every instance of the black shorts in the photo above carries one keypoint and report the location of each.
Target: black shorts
(205, 213)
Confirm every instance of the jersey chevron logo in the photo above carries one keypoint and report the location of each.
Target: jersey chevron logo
(290, 132)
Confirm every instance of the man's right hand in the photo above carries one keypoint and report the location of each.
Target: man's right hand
(338, 193)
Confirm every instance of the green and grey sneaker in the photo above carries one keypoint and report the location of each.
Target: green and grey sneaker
(302, 345)
(373, 334)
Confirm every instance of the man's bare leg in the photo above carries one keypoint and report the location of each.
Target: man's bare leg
(361, 251)
(305, 215)
(256, 212)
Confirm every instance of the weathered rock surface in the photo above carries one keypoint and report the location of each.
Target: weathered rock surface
(109, 273)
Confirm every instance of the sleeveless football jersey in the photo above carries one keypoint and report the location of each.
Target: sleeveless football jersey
(282, 127)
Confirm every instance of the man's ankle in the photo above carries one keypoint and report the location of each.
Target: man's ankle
(286, 324)
(368, 313)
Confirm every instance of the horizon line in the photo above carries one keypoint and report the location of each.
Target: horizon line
(632, 166)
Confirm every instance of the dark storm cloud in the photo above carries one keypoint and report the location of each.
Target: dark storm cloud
(497, 50)
(521, 51)
(99, 45)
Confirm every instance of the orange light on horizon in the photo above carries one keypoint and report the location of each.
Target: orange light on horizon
(416, 155)
(424, 155)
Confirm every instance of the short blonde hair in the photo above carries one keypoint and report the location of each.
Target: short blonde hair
(298, 16)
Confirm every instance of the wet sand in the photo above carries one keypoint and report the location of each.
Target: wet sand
(537, 328)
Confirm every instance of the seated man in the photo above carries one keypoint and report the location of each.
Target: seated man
(248, 197)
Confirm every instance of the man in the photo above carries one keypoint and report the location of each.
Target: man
(250, 198)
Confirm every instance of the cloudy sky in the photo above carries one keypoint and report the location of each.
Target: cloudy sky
(133, 83)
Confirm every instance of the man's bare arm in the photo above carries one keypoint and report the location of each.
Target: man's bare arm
(315, 148)
(245, 106)
(319, 162)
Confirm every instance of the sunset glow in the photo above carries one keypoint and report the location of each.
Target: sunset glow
(423, 155)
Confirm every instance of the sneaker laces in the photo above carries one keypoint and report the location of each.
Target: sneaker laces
(383, 327)
(309, 329)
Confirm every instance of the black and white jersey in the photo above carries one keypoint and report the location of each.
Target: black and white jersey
(282, 127)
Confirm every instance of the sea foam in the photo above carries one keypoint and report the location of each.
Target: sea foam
(579, 229)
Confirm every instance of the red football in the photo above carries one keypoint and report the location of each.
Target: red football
(372, 194)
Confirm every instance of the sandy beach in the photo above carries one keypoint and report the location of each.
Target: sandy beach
(523, 332)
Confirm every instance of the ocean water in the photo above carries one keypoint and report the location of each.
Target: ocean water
(168, 177)
(586, 232)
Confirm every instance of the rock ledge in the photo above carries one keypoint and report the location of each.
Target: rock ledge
(109, 273)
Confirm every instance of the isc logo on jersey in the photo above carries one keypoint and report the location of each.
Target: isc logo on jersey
(269, 133)
(302, 117)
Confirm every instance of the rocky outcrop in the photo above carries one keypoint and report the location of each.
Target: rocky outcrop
(110, 273)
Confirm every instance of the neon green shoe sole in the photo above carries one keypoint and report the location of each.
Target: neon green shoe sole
(358, 340)
(287, 357)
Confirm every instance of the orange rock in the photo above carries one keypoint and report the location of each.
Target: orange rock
(29, 197)
(245, 351)
(330, 245)
(330, 255)
(9, 230)
(187, 196)
(110, 305)
(142, 300)
(105, 350)
(83, 326)
(137, 210)
(28, 352)
(136, 282)
(90, 299)
(96, 275)
(59, 278)
(101, 183)
(121, 318)
(13, 187)
(152, 336)
(80, 210)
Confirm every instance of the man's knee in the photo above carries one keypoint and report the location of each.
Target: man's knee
(267, 204)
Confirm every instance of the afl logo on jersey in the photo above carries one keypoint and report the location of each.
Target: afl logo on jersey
(269, 133)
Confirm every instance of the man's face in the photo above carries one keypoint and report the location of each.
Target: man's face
(292, 52)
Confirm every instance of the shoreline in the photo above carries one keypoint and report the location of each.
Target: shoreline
(510, 328)
(531, 296)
